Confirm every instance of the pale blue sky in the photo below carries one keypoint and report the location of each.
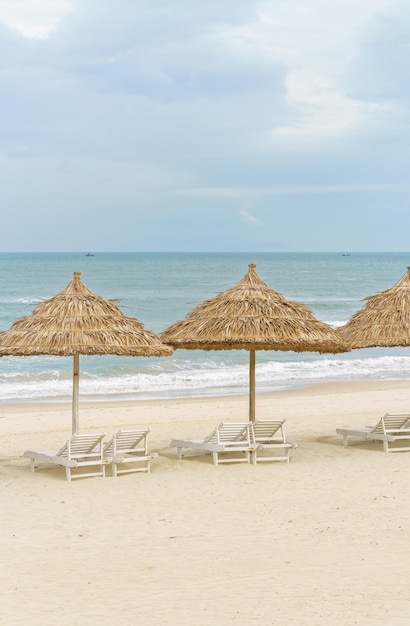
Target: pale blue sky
(186, 125)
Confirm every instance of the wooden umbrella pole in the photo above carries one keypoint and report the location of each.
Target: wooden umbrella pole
(252, 385)
(76, 388)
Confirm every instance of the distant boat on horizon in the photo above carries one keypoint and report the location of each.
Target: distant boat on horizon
(89, 254)
(346, 254)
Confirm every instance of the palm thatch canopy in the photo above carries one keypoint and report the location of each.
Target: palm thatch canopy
(251, 316)
(385, 320)
(74, 322)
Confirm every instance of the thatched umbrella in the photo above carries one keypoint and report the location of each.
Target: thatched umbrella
(252, 317)
(385, 320)
(74, 322)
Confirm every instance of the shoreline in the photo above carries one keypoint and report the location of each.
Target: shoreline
(305, 390)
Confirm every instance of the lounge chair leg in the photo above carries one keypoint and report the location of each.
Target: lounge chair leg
(215, 458)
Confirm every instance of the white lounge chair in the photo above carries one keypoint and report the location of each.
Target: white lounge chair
(390, 428)
(271, 439)
(129, 447)
(232, 440)
(80, 451)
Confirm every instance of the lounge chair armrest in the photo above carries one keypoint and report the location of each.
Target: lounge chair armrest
(380, 437)
(352, 432)
(286, 444)
(195, 445)
(398, 431)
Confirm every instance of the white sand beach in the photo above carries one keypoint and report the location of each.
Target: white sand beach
(323, 540)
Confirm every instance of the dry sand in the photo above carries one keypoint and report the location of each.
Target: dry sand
(321, 540)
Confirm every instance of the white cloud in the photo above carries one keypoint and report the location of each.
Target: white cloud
(250, 219)
(316, 45)
(319, 110)
(250, 192)
(34, 19)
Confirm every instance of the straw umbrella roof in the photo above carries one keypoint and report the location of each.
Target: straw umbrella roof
(385, 320)
(252, 316)
(76, 321)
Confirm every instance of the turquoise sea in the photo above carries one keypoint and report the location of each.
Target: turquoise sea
(160, 288)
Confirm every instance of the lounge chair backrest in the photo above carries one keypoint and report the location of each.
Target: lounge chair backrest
(267, 429)
(392, 421)
(127, 441)
(228, 432)
(82, 446)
